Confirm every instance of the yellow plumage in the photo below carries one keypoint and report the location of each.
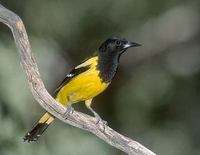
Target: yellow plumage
(84, 86)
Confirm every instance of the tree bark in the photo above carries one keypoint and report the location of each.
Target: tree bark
(41, 95)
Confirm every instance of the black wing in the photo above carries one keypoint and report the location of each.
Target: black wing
(70, 76)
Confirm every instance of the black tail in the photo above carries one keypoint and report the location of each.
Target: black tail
(36, 132)
(39, 128)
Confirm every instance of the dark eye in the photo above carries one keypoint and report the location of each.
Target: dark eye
(118, 43)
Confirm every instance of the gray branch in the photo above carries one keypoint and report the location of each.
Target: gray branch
(40, 93)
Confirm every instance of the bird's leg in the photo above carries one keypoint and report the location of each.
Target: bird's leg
(69, 109)
(96, 115)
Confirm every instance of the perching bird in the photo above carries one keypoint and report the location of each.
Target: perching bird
(86, 81)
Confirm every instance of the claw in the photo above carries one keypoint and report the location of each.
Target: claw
(101, 123)
(99, 120)
(69, 111)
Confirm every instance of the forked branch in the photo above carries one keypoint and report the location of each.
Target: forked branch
(40, 93)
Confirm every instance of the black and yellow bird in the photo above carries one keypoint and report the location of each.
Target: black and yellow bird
(86, 81)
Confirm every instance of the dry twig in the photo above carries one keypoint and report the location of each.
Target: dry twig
(40, 93)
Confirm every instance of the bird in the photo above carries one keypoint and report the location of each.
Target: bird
(86, 81)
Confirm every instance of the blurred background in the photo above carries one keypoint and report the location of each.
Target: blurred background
(155, 97)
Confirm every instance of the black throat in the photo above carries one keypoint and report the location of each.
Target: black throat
(107, 65)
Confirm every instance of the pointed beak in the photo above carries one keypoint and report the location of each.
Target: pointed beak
(131, 44)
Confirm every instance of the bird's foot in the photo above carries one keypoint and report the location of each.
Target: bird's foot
(102, 124)
(99, 121)
(68, 111)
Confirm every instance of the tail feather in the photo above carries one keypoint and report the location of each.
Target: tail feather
(39, 128)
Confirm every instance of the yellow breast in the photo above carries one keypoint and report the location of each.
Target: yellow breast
(85, 86)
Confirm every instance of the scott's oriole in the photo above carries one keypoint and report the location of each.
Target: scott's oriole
(86, 81)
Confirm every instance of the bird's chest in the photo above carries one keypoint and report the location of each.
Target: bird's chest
(84, 87)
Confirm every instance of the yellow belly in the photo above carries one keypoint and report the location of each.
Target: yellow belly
(83, 87)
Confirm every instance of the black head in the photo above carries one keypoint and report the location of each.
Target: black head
(116, 46)
(108, 56)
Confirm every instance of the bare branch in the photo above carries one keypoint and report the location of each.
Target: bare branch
(40, 93)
